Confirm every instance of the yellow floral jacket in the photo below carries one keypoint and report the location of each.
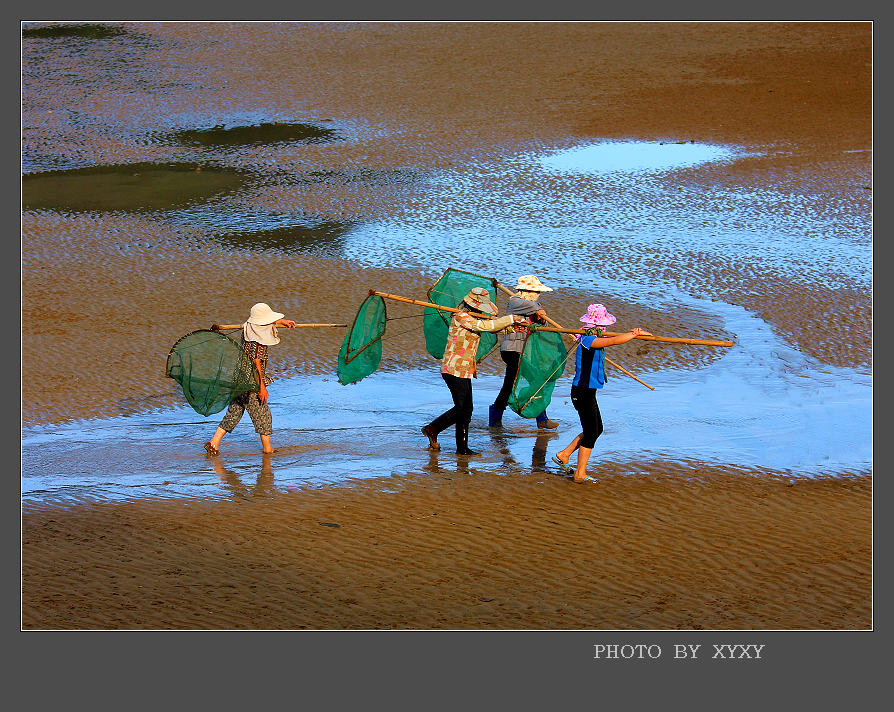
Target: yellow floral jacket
(462, 342)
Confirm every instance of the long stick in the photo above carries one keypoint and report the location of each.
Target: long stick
(373, 292)
(225, 327)
(663, 339)
(608, 360)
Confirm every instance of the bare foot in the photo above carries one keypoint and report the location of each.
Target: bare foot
(561, 463)
(432, 438)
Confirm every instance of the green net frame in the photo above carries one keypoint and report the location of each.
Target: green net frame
(212, 369)
(541, 364)
(361, 350)
(449, 291)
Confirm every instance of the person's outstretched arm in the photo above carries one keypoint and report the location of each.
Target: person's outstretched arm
(598, 342)
(492, 325)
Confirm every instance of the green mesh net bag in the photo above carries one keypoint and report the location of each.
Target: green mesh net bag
(542, 363)
(361, 351)
(449, 291)
(212, 369)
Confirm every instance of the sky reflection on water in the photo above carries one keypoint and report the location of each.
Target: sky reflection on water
(762, 405)
(635, 156)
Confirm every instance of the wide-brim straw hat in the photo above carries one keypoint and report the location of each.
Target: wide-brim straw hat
(597, 315)
(480, 300)
(262, 314)
(530, 283)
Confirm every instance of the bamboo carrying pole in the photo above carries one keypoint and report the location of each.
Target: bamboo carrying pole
(397, 298)
(225, 327)
(608, 360)
(663, 339)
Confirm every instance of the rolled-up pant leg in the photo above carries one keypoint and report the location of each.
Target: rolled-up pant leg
(260, 414)
(584, 402)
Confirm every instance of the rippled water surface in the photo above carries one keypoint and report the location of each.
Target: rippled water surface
(720, 229)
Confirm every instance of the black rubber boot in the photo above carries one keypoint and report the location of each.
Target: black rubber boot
(462, 440)
(494, 417)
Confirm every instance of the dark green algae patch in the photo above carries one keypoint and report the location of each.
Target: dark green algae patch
(131, 187)
(254, 135)
(90, 31)
(325, 238)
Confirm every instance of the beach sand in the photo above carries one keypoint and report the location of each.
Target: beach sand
(660, 547)
(456, 550)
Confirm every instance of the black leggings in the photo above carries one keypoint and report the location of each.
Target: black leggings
(511, 359)
(461, 412)
(584, 401)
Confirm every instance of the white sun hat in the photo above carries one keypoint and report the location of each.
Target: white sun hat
(262, 314)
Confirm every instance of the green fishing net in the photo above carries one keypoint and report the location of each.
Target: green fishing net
(212, 369)
(449, 291)
(542, 363)
(361, 351)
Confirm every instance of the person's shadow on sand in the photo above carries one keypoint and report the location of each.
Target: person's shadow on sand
(263, 484)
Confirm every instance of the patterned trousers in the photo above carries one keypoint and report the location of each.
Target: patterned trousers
(258, 412)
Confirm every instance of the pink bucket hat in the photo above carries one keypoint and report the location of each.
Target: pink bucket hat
(597, 315)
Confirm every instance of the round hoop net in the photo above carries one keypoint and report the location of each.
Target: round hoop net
(449, 291)
(212, 369)
(361, 351)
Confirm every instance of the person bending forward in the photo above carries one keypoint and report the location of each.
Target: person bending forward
(458, 366)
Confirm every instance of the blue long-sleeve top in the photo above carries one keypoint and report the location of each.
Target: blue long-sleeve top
(589, 364)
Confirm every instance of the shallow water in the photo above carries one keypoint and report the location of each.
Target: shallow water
(762, 405)
(720, 229)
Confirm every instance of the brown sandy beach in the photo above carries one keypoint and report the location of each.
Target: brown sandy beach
(660, 547)
(456, 550)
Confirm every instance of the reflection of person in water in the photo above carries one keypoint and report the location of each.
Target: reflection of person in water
(263, 484)
(538, 454)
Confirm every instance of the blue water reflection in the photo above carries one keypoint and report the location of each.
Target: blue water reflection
(762, 405)
(641, 156)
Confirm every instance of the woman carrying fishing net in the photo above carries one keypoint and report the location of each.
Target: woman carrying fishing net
(525, 302)
(589, 376)
(459, 366)
(258, 333)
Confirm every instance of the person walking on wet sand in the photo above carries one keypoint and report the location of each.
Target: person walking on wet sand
(589, 376)
(258, 333)
(458, 366)
(525, 303)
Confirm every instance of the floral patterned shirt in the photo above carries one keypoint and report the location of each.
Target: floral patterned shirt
(462, 342)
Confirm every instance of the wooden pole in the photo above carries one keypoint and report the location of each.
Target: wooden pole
(417, 302)
(608, 360)
(663, 339)
(228, 327)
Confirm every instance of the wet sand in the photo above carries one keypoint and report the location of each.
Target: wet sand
(660, 548)
(453, 550)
